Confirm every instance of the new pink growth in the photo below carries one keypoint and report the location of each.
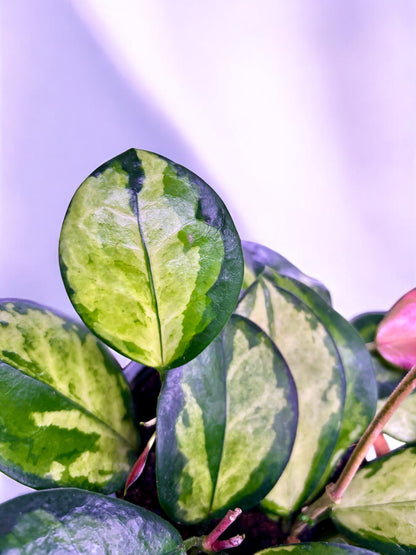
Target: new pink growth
(396, 333)
(213, 544)
(139, 465)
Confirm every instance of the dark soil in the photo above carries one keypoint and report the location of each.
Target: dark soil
(259, 531)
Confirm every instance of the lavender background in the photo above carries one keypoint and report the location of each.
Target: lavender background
(300, 114)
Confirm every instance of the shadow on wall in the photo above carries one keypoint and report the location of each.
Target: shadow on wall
(66, 110)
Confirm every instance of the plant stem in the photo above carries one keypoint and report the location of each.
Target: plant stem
(211, 542)
(334, 492)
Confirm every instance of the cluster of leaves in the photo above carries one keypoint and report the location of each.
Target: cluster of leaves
(264, 385)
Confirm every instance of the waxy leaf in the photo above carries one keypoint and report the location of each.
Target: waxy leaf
(402, 425)
(378, 509)
(316, 548)
(151, 259)
(396, 333)
(226, 422)
(69, 520)
(314, 363)
(257, 258)
(361, 387)
(65, 409)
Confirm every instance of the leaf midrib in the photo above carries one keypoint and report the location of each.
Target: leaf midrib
(150, 275)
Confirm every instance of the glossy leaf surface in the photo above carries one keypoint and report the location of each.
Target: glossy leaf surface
(378, 509)
(314, 363)
(151, 259)
(361, 387)
(402, 425)
(226, 422)
(396, 333)
(257, 258)
(69, 520)
(65, 408)
(316, 548)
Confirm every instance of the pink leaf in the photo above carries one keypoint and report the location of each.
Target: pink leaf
(396, 333)
(139, 465)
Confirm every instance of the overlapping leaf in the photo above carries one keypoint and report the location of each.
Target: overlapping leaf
(316, 548)
(313, 360)
(257, 258)
(65, 408)
(151, 259)
(402, 425)
(225, 425)
(69, 520)
(361, 388)
(378, 509)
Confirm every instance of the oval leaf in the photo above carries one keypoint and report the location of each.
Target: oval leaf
(361, 387)
(151, 259)
(257, 258)
(313, 360)
(316, 548)
(225, 425)
(396, 333)
(75, 521)
(65, 408)
(378, 509)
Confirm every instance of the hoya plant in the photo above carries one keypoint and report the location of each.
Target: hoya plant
(244, 398)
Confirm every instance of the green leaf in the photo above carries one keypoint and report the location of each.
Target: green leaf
(378, 509)
(316, 548)
(225, 425)
(151, 259)
(361, 387)
(402, 425)
(387, 375)
(257, 258)
(65, 409)
(313, 360)
(69, 520)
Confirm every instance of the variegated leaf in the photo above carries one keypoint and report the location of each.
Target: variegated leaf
(378, 509)
(151, 259)
(316, 548)
(65, 409)
(402, 425)
(226, 422)
(69, 520)
(361, 387)
(313, 360)
(257, 258)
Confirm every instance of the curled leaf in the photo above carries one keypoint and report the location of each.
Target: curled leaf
(396, 334)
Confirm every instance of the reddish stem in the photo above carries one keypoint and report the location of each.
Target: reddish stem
(211, 542)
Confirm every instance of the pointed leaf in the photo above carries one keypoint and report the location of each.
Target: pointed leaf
(225, 425)
(316, 548)
(257, 258)
(396, 333)
(313, 360)
(378, 509)
(65, 409)
(150, 259)
(361, 387)
(75, 521)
